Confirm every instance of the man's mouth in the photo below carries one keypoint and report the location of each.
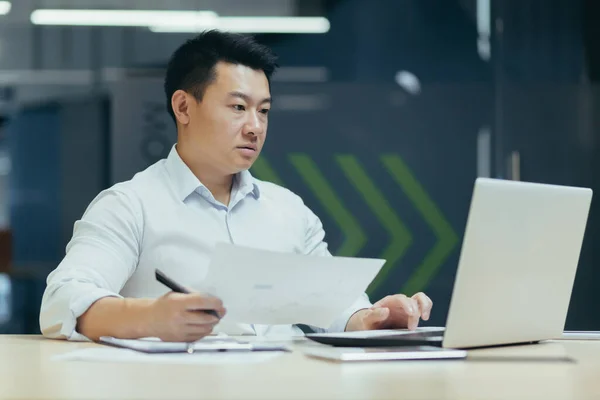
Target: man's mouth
(248, 147)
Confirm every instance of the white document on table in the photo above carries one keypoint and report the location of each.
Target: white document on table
(116, 355)
(267, 287)
(206, 344)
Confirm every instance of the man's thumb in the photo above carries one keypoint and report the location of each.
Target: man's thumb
(376, 315)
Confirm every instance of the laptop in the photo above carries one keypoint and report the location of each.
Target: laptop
(515, 274)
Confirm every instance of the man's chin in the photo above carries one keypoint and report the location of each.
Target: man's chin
(246, 162)
(242, 166)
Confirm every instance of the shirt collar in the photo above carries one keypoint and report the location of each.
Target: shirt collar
(245, 183)
(185, 182)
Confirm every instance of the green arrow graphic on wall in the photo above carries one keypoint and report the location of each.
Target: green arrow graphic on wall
(263, 170)
(401, 238)
(446, 238)
(355, 238)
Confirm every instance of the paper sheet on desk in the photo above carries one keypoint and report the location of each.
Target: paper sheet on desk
(266, 287)
(108, 354)
(155, 345)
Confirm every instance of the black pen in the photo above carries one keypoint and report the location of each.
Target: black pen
(168, 282)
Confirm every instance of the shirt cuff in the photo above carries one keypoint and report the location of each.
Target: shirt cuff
(79, 306)
(339, 325)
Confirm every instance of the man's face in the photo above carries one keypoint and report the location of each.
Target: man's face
(228, 127)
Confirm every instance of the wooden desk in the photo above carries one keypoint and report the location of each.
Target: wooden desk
(27, 372)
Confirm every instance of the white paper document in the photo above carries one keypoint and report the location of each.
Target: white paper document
(206, 344)
(115, 355)
(266, 287)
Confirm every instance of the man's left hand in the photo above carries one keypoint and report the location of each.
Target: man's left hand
(392, 312)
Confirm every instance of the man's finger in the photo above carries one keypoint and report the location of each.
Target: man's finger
(425, 304)
(198, 329)
(197, 301)
(383, 300)
(413, 318)
(409, 306)
(413, 322)
(197, 334)
(199, 318)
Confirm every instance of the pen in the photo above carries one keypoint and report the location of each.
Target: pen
(168, 282)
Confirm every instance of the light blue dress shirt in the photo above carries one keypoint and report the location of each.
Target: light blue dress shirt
(164, 217)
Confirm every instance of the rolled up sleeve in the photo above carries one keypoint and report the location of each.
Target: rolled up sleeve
(100, 257)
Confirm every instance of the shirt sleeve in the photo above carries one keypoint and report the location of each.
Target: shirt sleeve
(316, 245)
(100, 257)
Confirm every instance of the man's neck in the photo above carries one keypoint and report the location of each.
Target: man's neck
(219, 185)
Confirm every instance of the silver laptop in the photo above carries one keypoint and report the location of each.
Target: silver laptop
(515, 274)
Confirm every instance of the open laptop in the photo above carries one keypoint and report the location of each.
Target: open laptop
(515, 274)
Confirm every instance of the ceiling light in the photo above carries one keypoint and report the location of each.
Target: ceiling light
(4, 7)
(143, 18)
(251, 25)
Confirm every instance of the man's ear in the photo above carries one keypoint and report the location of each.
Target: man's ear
(181, 106)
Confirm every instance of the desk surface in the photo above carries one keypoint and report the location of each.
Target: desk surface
(27, 371)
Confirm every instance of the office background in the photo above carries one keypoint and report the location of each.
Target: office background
(383, 117)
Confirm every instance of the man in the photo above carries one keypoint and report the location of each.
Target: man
(171, 215)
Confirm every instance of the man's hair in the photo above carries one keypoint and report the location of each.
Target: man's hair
(192, 66)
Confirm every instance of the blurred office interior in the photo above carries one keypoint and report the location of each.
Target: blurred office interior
(385, 112)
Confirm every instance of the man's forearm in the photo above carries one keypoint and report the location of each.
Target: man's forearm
(122, 318)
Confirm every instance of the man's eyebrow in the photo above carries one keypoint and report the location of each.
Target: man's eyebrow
(247, 98)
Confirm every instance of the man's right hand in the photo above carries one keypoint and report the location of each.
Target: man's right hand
(172, 317)
(177, 317)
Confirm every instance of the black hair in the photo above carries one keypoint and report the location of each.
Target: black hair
(192, 66)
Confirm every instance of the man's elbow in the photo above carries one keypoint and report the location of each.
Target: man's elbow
(52, 331)
(51, 324)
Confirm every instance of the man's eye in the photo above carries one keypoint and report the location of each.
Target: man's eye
(239, 107)
(264, 111)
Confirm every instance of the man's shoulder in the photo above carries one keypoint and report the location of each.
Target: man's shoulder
(129, 197)
(143, 182)
(275, 192)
